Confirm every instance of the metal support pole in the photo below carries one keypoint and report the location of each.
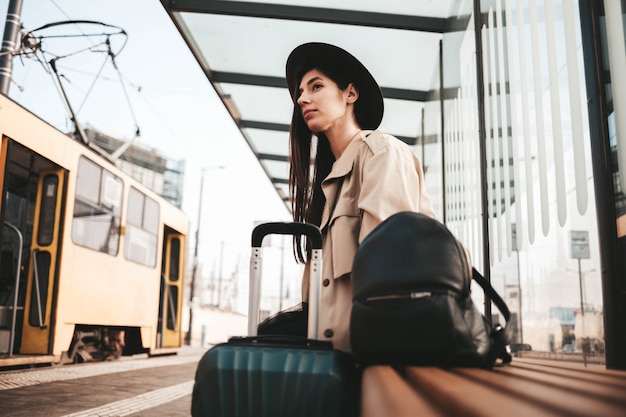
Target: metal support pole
(219, 277)
(17, 284)
(9, 43)
(519, 300)
(78, 132)
(282, 273)
(423, 137)
(443, 134)
(612, 272)
(482, 135)
(195, 264)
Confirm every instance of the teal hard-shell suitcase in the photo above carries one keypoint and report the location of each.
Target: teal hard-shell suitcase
(266, 378)
(275, 376)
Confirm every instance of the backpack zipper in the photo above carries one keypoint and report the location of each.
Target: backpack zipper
(413, 295)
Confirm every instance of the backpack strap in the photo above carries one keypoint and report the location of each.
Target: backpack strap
(501, 336)
(492, 294)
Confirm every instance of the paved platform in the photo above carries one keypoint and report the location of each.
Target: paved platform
(136, 386)
(140, 386)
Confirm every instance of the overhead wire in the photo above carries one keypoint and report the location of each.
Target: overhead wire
(141, 92)
(97, 76)
(132, 112)
(32, 45)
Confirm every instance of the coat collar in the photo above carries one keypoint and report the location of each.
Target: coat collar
(342, 167)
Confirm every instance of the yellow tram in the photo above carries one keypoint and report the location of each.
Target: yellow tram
(91, 262)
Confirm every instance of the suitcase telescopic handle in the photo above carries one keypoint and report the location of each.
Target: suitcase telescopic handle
(287, 228)
(315, 281)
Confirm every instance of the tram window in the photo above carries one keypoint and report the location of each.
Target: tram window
(97, 208)
(173, 307)
(142, 228)
(88, 181)
(135, 207)
(151, 216)
(39, 292)
(45, 233)
(174, 259)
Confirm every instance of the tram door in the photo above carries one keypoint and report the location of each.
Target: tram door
(44, 258)
(169, 327)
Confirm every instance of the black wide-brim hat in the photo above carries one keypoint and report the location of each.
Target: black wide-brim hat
(369, 108)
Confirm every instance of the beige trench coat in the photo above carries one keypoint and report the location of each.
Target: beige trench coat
(376, 176)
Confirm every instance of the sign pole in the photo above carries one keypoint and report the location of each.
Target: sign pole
(582, 313)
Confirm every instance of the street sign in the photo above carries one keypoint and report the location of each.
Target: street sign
(579, 241)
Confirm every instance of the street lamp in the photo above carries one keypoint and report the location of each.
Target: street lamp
(194, 271)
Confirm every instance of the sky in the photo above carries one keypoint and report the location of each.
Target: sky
(166, 95)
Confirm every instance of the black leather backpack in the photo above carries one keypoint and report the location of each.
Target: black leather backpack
(411, 299)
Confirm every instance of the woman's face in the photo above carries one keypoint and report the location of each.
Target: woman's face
(322, 103)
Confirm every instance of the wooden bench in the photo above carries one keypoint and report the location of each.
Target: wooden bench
(526, 387)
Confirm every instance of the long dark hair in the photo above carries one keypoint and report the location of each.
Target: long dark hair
(305, 181)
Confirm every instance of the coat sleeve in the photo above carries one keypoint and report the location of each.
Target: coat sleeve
(393, 181)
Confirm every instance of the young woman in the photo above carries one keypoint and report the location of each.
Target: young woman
(359, 176)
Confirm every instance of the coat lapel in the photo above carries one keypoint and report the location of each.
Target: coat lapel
(331, 185)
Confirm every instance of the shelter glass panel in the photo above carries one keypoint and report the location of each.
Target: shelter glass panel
(539, 174)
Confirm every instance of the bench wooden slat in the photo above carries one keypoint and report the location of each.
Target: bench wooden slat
(460, 396)
(549, 392)
(385, 393)
(586, 372)
(594, 385)
(592, 368)
(523, 388)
